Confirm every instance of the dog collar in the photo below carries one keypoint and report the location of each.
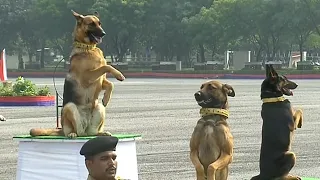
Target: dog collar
(84, 46)
(214, 111)
(91, 178)
(275, 99)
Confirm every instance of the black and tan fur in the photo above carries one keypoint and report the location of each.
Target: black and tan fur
(211, 143)
(279, 123)
(82, 114)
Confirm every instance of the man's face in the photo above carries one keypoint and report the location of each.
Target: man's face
(103, 165)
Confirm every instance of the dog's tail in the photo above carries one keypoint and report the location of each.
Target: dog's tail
(46, 132)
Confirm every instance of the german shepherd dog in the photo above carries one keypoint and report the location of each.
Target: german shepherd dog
(81, 114)
(211, 143)
(279, 123)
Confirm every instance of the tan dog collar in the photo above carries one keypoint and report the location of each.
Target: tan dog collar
(214, 111)
(84, 46)
(271, 100)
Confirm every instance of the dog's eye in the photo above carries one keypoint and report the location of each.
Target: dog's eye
(210, 87)
(201, 87)
(99, 23)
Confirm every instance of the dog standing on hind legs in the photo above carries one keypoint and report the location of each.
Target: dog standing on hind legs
(82, 114)
(211, 143)
(279, 123)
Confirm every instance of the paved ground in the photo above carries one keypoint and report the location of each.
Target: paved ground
(164, 112)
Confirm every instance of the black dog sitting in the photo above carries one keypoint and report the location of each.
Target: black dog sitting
(279, 122)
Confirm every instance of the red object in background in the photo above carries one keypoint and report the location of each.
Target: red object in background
(3, 67)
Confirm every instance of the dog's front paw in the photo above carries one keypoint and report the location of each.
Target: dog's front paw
(291, 177)
(120, 77)
(72, 135)
(104, 134)
(299, 125)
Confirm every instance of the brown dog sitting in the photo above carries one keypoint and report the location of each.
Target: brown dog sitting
(82, 115)
(211, 143)
(279, 123)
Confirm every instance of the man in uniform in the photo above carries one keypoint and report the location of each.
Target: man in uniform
(100, 157)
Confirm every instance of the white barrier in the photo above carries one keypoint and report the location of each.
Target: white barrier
(53, 158)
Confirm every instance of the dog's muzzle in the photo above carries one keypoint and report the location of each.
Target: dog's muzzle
(201, 99)
(97, 35)
(101, 33)
(198, 95)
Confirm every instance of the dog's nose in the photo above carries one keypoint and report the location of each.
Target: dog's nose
(197, 95)
(103, 33)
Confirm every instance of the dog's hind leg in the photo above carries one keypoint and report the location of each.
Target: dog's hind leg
(108, 87)
(298, 118)
(71, 123)
(285, 165)
(96, 125)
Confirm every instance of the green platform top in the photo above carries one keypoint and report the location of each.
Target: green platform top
(304, 178)
(120, 136)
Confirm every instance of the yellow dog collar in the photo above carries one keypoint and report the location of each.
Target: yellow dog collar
(214, 111)
(84, 46)
(119, 178)
(271, 100)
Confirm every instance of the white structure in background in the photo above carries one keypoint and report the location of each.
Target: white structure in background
(226, 59)
(295, 58)
(178, 65)
(240, 58)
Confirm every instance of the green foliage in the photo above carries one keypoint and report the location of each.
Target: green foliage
(122, 21)
(43, 91)
(24, 87)
(174, 29)
(6, 91)
(313, 41)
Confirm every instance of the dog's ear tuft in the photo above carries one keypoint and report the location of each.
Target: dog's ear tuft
(96, 14)
(228, 90)
(78, 16)
(270, 72)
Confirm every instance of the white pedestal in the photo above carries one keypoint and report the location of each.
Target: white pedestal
(54, 159)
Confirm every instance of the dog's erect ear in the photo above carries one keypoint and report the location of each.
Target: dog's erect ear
(78, 16)
(96, 14)
(270, 72)
(229, 90)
